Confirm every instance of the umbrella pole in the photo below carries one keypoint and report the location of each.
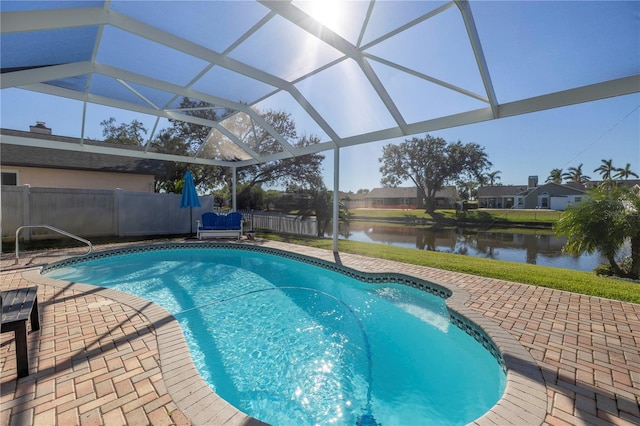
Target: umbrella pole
(191, 221)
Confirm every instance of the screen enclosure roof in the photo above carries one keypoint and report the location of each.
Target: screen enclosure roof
(348, 72)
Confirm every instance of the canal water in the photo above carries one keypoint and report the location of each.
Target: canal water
(536, 248)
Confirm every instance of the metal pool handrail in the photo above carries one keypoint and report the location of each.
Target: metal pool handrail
(52, 228)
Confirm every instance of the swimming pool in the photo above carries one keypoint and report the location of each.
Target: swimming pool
(289, 342)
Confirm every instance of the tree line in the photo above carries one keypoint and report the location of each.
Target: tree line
(607, 171)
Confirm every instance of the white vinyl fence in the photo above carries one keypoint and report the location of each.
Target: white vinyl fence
(95, 213)
(279, 222)
(105, 213)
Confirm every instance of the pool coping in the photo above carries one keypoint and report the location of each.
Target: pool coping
(524, 400)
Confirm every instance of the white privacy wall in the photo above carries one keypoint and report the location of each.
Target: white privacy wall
(93, 213)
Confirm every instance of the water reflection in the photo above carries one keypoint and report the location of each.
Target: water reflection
(540, 248)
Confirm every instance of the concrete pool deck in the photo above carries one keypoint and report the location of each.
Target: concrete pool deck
(104, 358)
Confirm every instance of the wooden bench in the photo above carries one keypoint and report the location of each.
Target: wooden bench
(18, 306)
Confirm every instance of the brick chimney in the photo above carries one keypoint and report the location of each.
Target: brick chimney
(41, 128)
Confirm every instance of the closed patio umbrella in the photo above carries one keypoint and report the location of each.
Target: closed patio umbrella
(189, 197)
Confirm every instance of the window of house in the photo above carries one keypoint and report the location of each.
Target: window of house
(544, 202)
(577, 199)
(10, 178)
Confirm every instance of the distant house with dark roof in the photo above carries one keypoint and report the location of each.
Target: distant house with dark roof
(548, 196)
(499, 197)
(629, 183)
(59, 168)
(399, 198)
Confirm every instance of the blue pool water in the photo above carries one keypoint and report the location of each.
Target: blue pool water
(292, 343)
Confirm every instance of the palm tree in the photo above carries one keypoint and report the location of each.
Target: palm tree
(467, 189)
(604, 221)
(555, 176)
(493, 177)
(606, 169)
(625, 173)
(575, 175)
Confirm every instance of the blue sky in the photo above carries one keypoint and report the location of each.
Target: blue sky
(531, 48)
(531, 144)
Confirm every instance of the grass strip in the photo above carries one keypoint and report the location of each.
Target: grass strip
(482, 215)
(542, 276)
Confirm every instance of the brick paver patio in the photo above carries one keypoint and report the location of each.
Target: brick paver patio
(101, 358)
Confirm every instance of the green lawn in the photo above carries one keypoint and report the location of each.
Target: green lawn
(557, 278)
(482, 215)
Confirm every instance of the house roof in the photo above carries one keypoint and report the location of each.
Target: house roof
(409, 192)
(554, 187)
(351, 196)
(523, 190)
(320, 66)
(35, 156)
(501, 190)
(629, 183)
(388, 192)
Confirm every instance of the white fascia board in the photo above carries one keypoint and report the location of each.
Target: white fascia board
(38, 75)
(69, 146)
(608, 89)
(52, 19)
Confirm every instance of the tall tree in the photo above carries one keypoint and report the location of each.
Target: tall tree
(201, 140)
(555, 176)
(575, 174)
(468, 189)
(123, 133)
(430, 163)
(625, 173)
(318, 201)
(206, 178)
(252, 199)
(304, 171)
(186, 138)
(604, 221)
(606, 169)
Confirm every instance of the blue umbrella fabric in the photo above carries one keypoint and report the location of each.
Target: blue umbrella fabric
(189, 196)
